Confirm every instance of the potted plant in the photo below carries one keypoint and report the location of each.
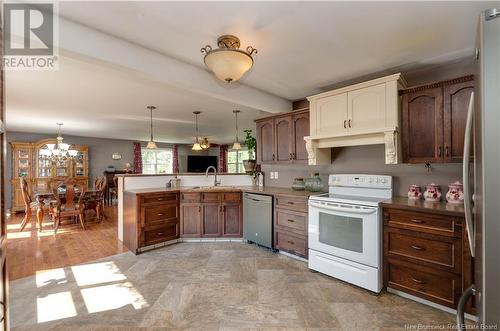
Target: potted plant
(250, 143)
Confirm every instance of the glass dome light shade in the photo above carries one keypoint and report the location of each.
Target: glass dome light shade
(228, 64)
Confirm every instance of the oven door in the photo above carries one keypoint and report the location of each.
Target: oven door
(347, 231)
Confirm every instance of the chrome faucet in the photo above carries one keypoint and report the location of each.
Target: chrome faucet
(216, 182)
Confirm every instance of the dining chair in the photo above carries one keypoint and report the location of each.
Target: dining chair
(29, 205)
(69, 209)
(97, 200)
(113, 190)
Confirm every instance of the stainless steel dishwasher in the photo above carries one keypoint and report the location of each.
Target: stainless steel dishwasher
(258, 219)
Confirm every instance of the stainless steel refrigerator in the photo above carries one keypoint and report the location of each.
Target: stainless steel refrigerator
(482, 174)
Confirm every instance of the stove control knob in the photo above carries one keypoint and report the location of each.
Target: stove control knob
(384, 180)
(370, 180)
(377, 180)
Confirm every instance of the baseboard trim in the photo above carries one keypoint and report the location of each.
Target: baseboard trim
(429, 303)
(294, 256)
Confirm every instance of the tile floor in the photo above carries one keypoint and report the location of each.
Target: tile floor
(205, 286)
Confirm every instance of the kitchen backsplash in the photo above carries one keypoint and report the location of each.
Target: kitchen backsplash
(368, 160)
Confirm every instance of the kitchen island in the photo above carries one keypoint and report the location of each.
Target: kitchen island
(157, 216)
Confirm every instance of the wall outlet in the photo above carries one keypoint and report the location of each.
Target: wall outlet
(275, 175)
(271, 174)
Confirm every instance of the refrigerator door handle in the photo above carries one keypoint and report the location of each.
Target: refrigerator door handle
(466, 175)
(461, 307)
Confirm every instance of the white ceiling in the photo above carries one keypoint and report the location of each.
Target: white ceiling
(100, 101)
(303, 47)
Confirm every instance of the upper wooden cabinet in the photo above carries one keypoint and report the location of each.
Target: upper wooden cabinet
(265, 141)
(362, 114)
(433, 121)
(280, 139)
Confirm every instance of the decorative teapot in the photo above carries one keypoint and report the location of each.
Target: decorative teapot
(432, 193)
(414, 192)
(455, 193)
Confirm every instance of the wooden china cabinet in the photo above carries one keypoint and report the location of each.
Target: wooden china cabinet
(40, 173)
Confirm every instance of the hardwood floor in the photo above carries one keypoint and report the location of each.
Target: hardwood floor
(29, 251)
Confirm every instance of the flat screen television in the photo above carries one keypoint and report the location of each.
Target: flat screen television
(200, 163)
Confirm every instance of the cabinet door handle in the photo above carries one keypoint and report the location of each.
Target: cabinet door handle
(418, 281)
(417, 221)
(290, 242)
(294, 156)
(160, 214)
(345, 124)
(291, 221)
(291, 156)
(447, 152)
(290, 202)
(199, 209)
(273, 157)
(160, 233)
(349, 123)
(439, 151)
(418, 248)
(160, 199)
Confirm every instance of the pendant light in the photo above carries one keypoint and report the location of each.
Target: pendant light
(236, 144)
(151, 143)
(196, 145)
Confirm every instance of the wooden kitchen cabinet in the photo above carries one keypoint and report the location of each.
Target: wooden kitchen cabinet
(366, 109)
(265, 141)
(426, 251)
(150, 219)
(433, 121)
(300, 130)
(280, 139)
(211, 214)
(291, 224)
(232, 220)
(190, 219)
(283, 139)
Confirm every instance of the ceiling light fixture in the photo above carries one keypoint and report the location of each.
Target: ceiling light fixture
(236, 144)
(151, 143)
(228, 62)
(197, 146)
(59, 151)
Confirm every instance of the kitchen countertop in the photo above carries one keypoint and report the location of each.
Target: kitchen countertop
(268, 190)
(442, 207)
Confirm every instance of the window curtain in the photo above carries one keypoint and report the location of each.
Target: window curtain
(175, 160)
(137, 158)
(223, 158)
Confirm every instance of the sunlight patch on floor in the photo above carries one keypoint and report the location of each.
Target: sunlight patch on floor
(55, 306)
(46, 277)
(109, 297)
(17, 226)
(19, 235)
(97, 273)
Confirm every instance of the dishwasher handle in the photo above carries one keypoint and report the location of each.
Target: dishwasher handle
(258, 198)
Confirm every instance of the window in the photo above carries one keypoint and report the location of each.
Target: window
(157, 161)
(235, 160)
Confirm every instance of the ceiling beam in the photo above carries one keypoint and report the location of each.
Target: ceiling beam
(88, 42)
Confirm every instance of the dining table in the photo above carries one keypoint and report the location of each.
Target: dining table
(45, 197)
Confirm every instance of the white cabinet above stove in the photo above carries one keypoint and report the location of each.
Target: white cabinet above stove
(361, 114)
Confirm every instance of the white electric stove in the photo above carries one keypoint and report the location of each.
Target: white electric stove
(345, 229)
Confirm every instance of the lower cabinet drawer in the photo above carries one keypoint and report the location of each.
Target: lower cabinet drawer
(155, 215)
(290, 243)
(159, 198)
(435, 251)
(293, 220)
(160, 234)
(291, 203)
(440, 287)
